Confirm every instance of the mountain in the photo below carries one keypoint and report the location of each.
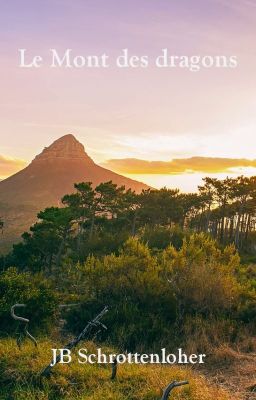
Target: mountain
(45, 180)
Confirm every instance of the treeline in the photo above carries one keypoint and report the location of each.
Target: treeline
(165, 262)
(227, 209)
(98, 220)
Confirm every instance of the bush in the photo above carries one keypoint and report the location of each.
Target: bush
(203, 277)
(160, 237)
(142, 307)
(151, 297)
(32, 290)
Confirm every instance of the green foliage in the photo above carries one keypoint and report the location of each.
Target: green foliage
(247, 311)
(100, 245)
(161, 207)
(165, 263)
(222, 208)
(159, 237)
(32, 290)
(203, 277)
(178, 257)
(46, 242)
(151, 296)
(142, 307)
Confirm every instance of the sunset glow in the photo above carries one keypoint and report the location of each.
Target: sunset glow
(146, 114)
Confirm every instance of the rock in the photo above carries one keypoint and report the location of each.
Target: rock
(66, 148)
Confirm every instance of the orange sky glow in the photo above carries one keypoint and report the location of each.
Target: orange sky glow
(163, 126)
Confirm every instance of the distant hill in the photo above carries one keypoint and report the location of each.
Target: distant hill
(44, 182)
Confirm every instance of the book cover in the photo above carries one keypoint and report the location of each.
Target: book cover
(128, 200)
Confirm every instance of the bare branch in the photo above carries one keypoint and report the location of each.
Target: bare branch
(171, 386)
(95, 323)
(26, 322)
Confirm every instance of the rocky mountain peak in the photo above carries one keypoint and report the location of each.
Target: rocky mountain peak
(67, 148)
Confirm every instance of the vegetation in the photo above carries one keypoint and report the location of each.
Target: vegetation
(19, 379)
(99, 220)
(1, 225)
(167, 264)
(33, 290)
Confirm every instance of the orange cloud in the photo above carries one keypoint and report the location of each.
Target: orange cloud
(9, 166)
(178, 166)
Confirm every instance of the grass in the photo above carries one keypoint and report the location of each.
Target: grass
(20, 378)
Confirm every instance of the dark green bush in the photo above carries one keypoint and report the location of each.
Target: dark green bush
(32, 290)
(142, 307)
(160, 237)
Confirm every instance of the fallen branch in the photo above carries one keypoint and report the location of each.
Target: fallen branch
(95, 323)
(170, 387)
(26, 322)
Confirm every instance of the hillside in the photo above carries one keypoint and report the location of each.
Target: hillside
(42, 183)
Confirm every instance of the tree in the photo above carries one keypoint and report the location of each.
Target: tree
(242, 192)
(45, 244)
(160, 207)
(191, 204)
(82, 204)
(98, 220)
(1, 224)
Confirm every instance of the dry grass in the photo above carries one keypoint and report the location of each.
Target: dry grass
(19, 379)
(234, 370)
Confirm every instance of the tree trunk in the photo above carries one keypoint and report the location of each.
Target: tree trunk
(92, 226)
(61, 248)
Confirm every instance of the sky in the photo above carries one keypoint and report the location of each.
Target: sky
(133, 115)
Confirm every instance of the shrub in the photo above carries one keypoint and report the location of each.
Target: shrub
(203, 277)
(32, 290)
(141, 304)
(160, 237)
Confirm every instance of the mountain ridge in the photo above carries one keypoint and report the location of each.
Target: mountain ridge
(50, 176)
(65, 147)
